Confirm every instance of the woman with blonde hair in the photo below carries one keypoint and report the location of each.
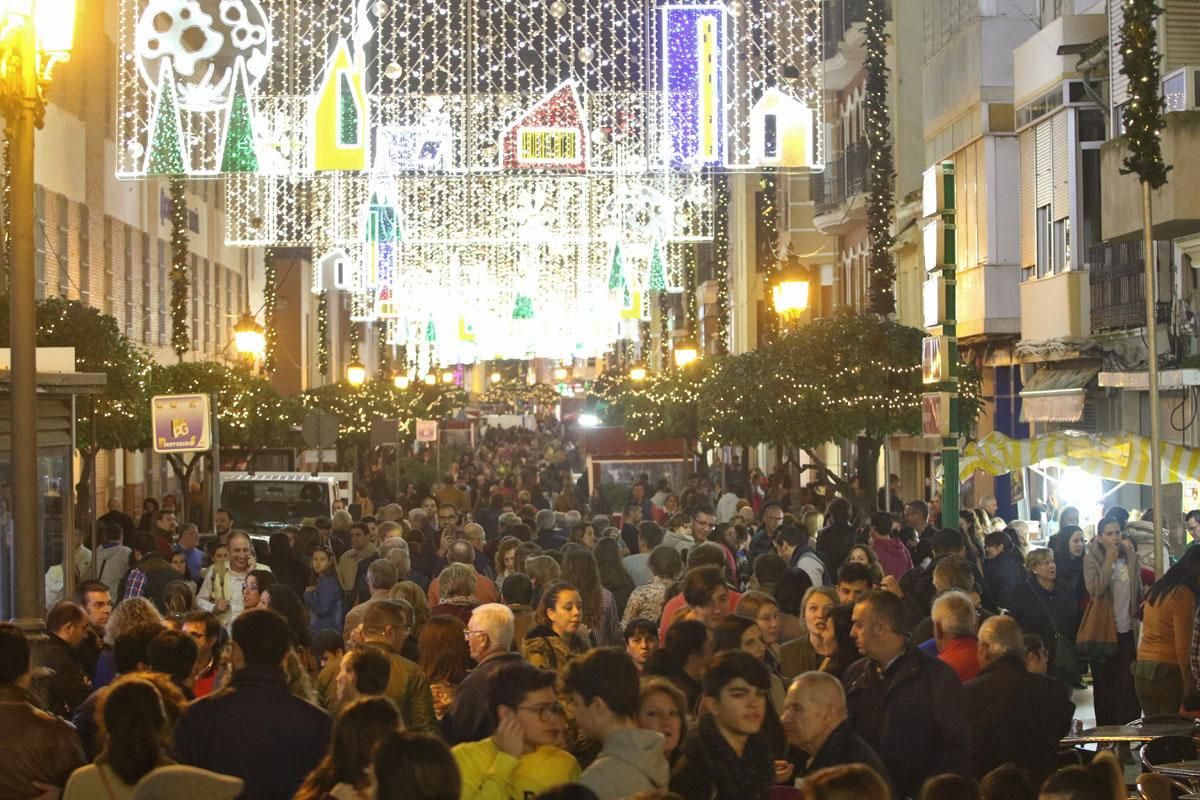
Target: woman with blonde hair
(127, 615)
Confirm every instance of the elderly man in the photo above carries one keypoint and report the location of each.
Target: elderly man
(547, 537)
(907, 705)
(381, 577)
(814, 720)
(954, 633)
(473, 533)
(489, 637)
(461, 552)
(1015, 715)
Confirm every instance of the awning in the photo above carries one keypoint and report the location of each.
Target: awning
(1118, 457)
(1056, 394)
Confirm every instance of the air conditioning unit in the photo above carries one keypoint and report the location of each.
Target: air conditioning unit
(1180, 89)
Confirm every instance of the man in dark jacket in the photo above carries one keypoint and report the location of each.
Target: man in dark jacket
(150, 574)
(38, 750)
(917, 583)
(835, 540)
(68, 685)
(814, 719)
(1015, 715)
(227, 732)
(489, 637)
(907, 705)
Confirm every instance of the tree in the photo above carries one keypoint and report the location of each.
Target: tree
(252, 415)
(118, 417)
(519, 394)
(664, 405)
(881, 172)
(833, 379)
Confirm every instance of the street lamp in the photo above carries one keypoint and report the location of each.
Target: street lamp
(401, 381)
(447, 377)
(356, 373)
(790, 292)
(430, 379)
(637, 373)
(560, 374)
(686, 353)
(496, 377)
(33, 38)
(248, 337)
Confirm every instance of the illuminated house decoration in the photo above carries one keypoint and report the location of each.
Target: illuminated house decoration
(781, 129)
(339, 115)
(695, 76)
(551, 135)
(334, 268)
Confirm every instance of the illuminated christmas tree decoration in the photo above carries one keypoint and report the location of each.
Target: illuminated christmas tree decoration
(339, 115)
(239, 154)
(164, 156)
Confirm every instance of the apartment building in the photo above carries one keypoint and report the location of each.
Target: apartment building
(106, 243)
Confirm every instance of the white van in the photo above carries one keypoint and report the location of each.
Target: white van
(263, 502)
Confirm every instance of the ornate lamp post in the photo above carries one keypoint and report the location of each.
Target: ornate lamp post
(790, 293)
(34, 36)
(685, 353)
(356, 373)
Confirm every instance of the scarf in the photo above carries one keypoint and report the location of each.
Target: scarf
(748, 777)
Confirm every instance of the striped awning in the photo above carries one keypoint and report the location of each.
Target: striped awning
(1118, 457)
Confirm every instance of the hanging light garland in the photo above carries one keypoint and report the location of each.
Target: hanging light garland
(881, 172)
(181, 341)
(270, 295)
(767, 237)
(721, 262)
(323, 334)
(1143, 113)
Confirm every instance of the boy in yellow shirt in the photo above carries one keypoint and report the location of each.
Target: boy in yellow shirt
(522, 758)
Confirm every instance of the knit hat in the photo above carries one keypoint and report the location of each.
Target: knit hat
(171, 782)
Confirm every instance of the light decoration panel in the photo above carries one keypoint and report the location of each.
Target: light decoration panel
(492, 152)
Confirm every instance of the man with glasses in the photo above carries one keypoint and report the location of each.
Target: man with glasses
(226, 599)
(385, 626)
(523, 757)
(489, 636)
(1192, 523)
(760, 543)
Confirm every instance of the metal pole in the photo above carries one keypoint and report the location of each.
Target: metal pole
(216, 463)
(27, 540)
(1152, 359)
(887, 474)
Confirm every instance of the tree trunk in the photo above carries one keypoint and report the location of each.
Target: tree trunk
(183, 473)
(83, 488)
(867, 465)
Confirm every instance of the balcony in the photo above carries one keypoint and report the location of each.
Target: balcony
(1118, 282)
(841, 180)
(1176, 205)
(840, 15)
(1056, 306)
(842, 41)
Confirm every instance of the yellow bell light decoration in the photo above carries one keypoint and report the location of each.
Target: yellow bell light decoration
(356, 373)
(790, 292)
(248, 336)
(430, 379)
(686, 353)
(401, 381)
(637, 373)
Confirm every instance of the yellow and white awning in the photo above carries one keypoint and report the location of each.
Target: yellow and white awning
(1118, 457)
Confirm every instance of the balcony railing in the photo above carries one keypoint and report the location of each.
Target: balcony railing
(1118, 282)
(842, 178)
(839, 16)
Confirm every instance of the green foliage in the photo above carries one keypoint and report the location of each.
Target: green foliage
(663, 405)
(118, 417)
(881, 171)
(1143, 113)
(356, 409)
(519, 395)
(251, 413)
(181, 340)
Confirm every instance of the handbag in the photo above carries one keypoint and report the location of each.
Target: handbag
(1066, 663)
(1097, 637)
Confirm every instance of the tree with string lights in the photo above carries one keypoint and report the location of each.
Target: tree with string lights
(181, 340)
(881, 171)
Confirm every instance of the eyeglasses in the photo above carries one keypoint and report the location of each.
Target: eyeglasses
(546, 712)
(468, 634)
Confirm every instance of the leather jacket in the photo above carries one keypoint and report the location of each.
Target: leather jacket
(46, 749)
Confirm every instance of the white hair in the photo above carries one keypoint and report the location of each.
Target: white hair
(955, 612)
(496, 620)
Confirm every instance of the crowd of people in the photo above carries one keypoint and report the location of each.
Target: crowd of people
(507, 634)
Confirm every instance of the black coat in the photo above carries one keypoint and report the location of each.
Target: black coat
(844, 746)
(1015, 716)
(914, 716)
(834, 543)
(68, 685)
(1045, 613)
(469, 718)
(256, 730)
(1004, 574)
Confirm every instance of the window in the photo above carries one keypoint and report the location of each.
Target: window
(128, 263)
(204, 295)
(218, 316)
(108, 264)
(39, 241)
(163, 280)
(64, 247)
(146, 276)
(195, 270)
(1062, 245)
(85, 258)
(1044, 233)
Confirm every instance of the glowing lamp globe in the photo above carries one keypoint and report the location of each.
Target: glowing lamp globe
(560, 374)
(790, 292)
(447, 377)
(248, 336)
(430, 379)
(638, 373)
(496, 377)
(685, 353)
(55, 23)
(401, 381)
(356, 373)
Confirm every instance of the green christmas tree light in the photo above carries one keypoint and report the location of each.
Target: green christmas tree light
(348, 134)
(657, 282)
(616, 275)
(523, 307)
(165, 156)
(239, 154)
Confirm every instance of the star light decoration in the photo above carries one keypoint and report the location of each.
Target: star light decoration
(490, 154)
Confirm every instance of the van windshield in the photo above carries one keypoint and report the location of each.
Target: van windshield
(251, 502)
